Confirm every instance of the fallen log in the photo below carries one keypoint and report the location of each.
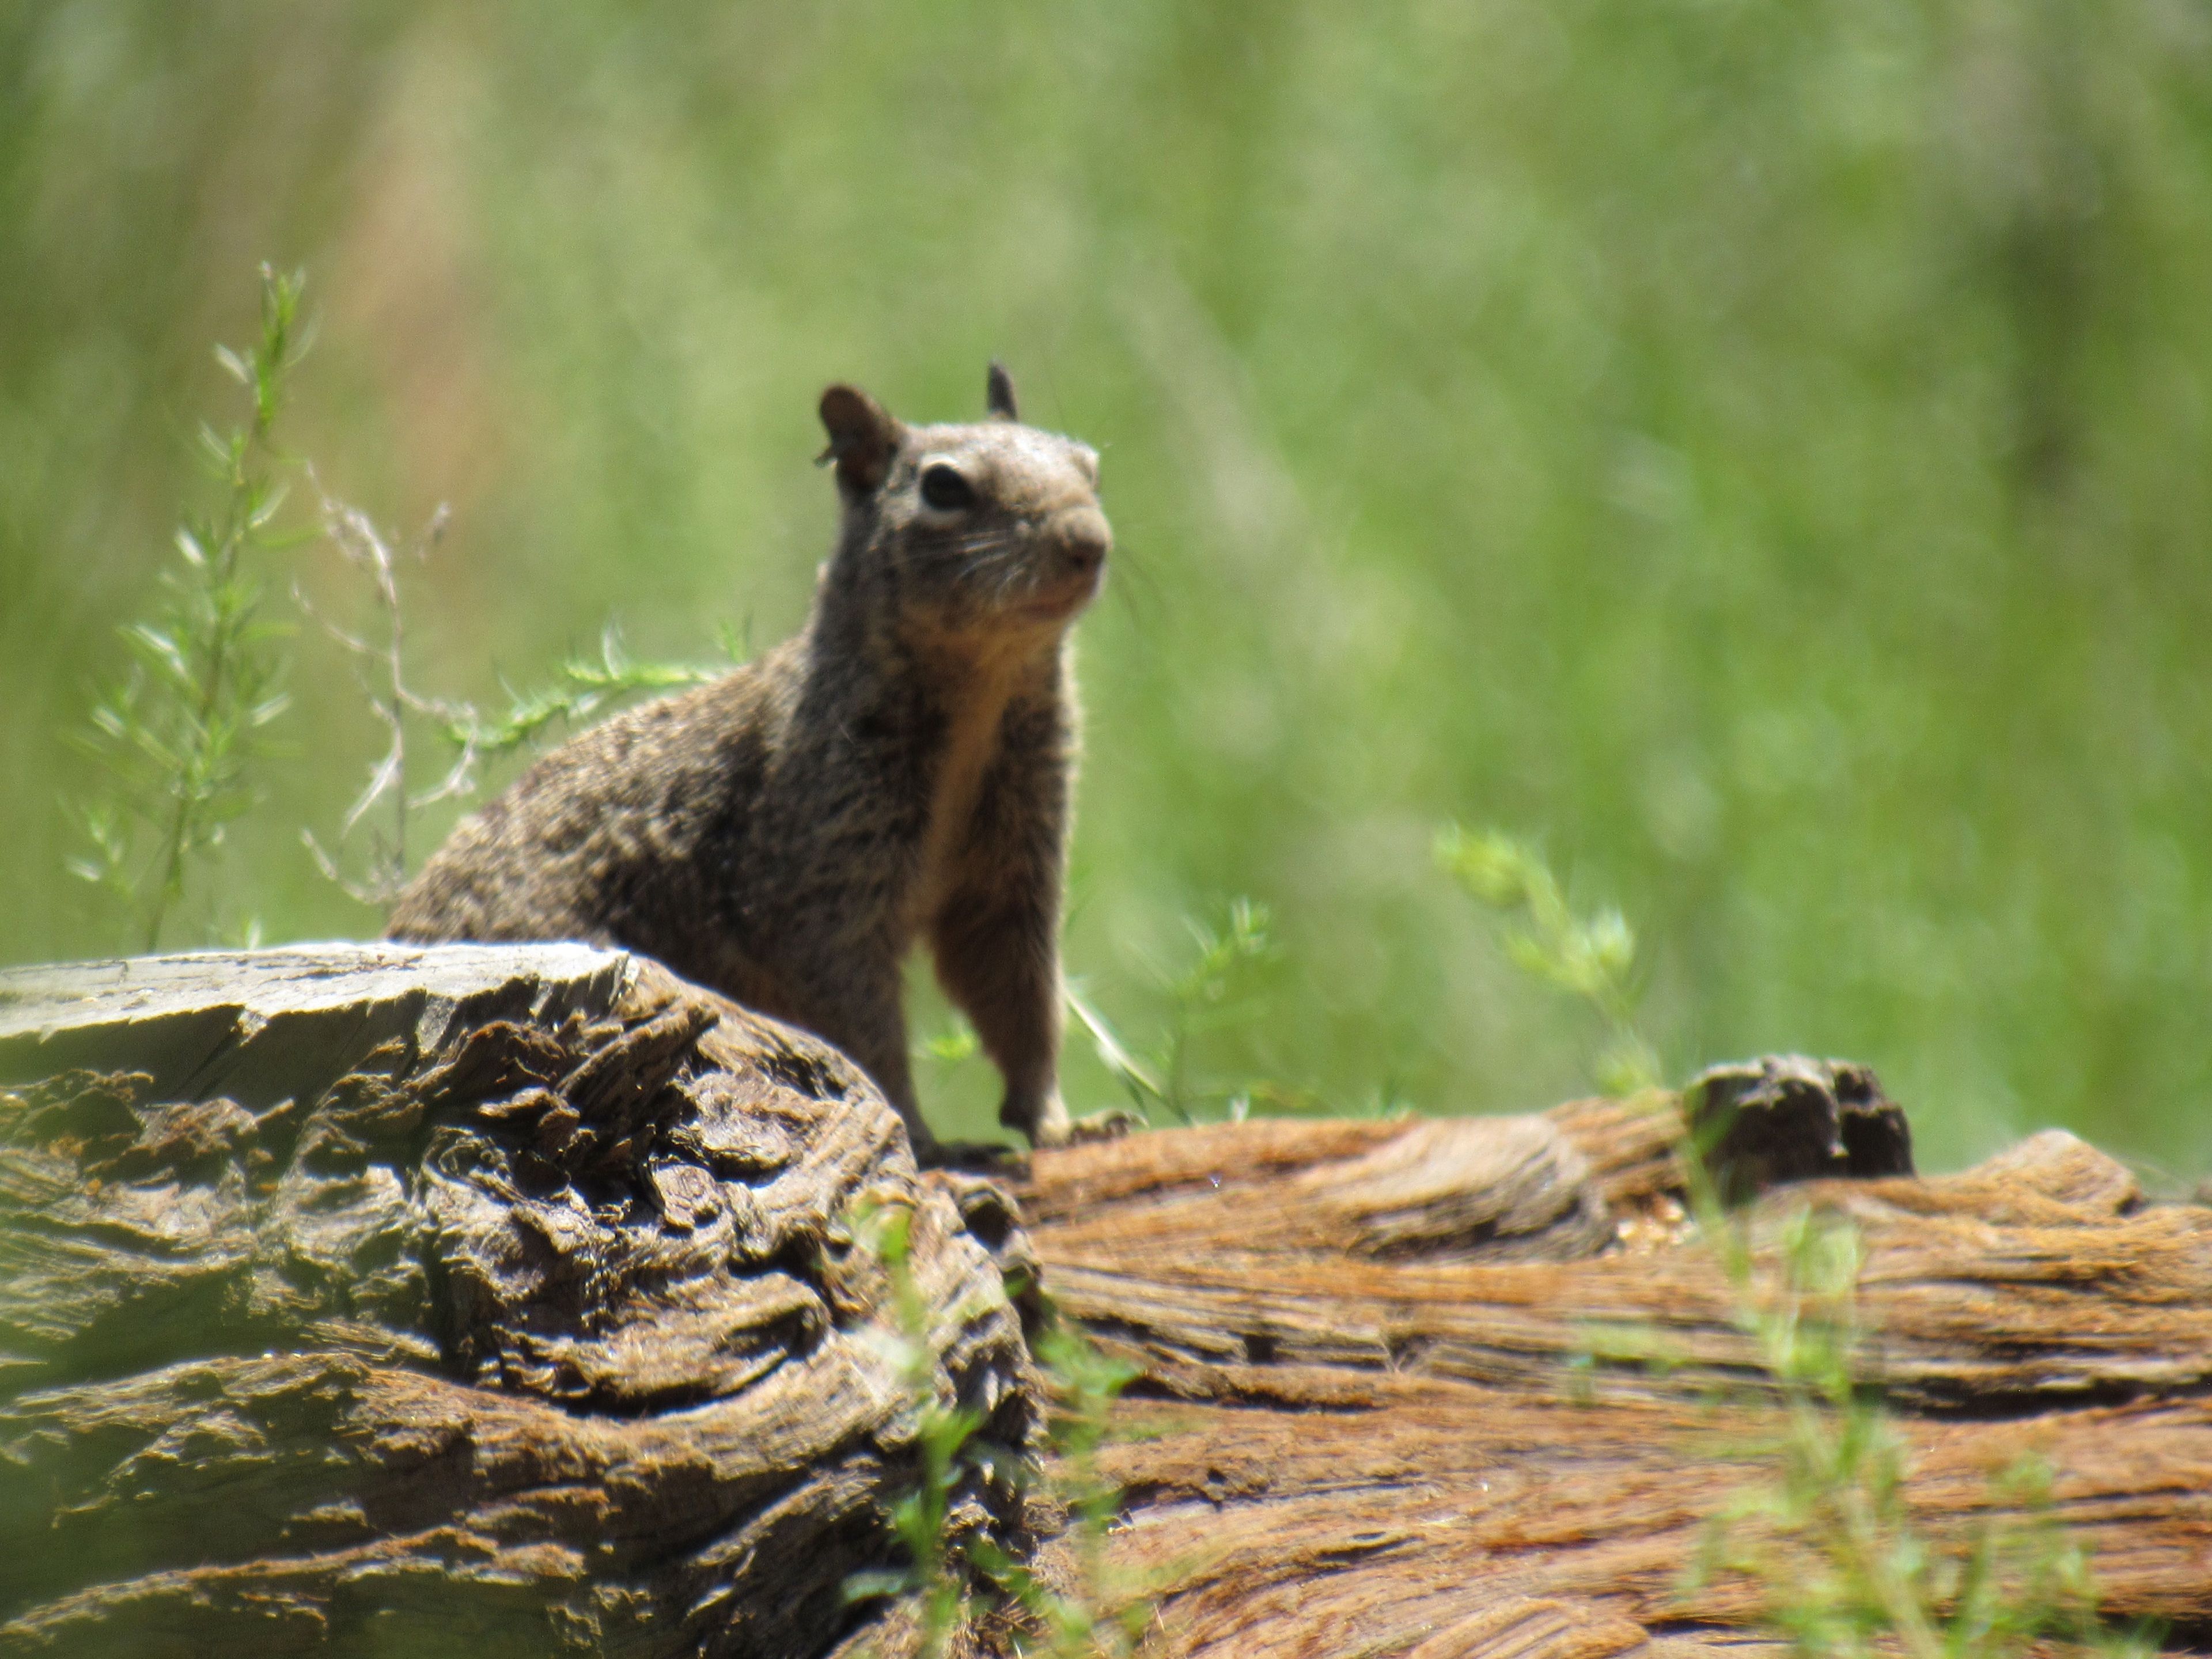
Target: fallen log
(1425, 1449)
(370, 1299)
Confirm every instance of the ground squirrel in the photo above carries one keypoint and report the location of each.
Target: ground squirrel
(900, 769)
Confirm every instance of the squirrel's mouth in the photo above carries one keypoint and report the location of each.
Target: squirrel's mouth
(1065, 597)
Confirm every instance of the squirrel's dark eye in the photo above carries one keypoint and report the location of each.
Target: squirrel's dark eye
(943, 489)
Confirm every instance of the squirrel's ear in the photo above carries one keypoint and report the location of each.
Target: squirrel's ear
(999, 393)
(863, 438)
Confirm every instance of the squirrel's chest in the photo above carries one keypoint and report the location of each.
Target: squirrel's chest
(973, 744)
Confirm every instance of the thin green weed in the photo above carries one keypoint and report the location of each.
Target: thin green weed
(583, 687)
(956, 1576)
(1218, 988)
(179, 739)
(1828, 1539)
(1592, 957)
(933, 1574)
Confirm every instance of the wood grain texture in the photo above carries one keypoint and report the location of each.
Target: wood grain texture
(1335, 1450)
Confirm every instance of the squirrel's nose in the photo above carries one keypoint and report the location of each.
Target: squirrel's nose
(1083, 537)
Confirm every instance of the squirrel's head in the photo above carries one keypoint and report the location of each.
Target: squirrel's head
(993, 527)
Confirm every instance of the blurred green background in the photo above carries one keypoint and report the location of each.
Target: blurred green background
(1761, 447)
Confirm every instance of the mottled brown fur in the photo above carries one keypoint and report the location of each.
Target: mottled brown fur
(899, 770)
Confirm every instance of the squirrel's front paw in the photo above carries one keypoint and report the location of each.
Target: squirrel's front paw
(1110, 1125)
(1049, 1125)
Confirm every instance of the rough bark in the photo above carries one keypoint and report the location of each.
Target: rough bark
(369, 1299)
(411, 1301)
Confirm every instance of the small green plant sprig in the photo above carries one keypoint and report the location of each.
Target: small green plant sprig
(933, 1574)
(583, 687)
(1828, 1539)
(945, 1574)
(1101, 1616)
(380, 670)
(180, 735)
(1214, 990)
(1591, 957)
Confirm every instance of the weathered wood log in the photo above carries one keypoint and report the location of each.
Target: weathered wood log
(1408, 1440)
(506, 1300)
(498, 1301)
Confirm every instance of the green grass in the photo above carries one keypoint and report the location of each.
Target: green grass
(1766, 449)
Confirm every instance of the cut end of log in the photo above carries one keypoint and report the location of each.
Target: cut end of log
(359, 1295)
